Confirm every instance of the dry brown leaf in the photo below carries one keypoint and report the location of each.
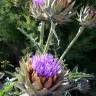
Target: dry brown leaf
(37, 84)
(48, 83)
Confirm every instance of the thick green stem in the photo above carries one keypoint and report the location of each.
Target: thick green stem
(49, 37)
(81, 29)
(41, 33)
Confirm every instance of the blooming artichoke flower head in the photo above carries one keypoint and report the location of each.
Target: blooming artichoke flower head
(45, 65)
(51, 9)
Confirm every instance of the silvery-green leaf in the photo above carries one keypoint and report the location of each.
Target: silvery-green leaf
(1, 75)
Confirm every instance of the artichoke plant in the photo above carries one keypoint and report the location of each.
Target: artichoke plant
(40, 75)
(56, 10)
(43, 74)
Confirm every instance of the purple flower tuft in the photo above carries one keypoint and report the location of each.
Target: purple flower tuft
(38, 2)
(45, 65)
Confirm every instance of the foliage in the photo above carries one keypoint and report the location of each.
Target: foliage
(12, 41)
(74, 74)
(6, 89)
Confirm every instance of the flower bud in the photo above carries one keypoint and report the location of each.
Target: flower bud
(56, 10)
(87, 16)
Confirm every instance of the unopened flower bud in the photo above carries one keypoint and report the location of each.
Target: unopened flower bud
(87, 16)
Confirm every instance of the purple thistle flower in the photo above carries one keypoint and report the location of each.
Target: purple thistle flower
(38, 2)
(45, 65)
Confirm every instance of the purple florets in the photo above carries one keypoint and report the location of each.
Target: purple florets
(45, 65)
(38, 2)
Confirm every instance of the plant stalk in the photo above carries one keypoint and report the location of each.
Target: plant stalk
(81, 29)
(41, 33)
(50, 37)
